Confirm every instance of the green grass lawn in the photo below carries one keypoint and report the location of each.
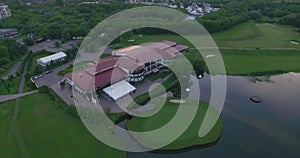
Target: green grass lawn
(245, 62)
(159, 75)
(10, 86)
(247, 35)
(151, 38)
(189, 137)
(258, 35)
(43, 131)
(145, 97)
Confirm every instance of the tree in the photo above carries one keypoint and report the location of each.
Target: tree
(255, 15)
(59, 2)
(28, 41)
(3, 51)
(56, 44)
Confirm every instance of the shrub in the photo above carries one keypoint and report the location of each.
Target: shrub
(43, 89)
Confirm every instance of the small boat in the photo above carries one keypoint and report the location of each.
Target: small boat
(255, 99)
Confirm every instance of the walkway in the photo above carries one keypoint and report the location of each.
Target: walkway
(13, 130)
(12, 71)
(4, 98)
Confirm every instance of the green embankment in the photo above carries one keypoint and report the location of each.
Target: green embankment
(190, 137)
(42, 130)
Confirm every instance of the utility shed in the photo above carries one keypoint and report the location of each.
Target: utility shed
(57, 57)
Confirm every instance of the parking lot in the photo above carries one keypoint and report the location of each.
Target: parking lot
(51, 78)
(50, 46)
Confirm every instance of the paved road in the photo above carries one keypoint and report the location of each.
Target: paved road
(12, 71)
(50, 46)
(4, 98)
(65, 93)
(51, 80)
(12, 129)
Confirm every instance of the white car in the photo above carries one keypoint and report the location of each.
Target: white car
(37, 77)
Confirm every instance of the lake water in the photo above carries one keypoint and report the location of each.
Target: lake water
(268, 129)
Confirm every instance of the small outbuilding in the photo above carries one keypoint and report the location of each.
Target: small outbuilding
(54, 58)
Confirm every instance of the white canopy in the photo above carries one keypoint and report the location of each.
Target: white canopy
(118, 90)
(53, 57)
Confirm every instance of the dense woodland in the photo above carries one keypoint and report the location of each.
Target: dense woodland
(10, 51)
(239, 11)
(65, 20)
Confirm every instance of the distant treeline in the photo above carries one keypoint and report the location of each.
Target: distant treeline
(53, 20)
(10, 50)
(60, 19)
(237, 11)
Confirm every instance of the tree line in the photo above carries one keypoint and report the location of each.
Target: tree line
(10, 50)
(63, 20)
(53, 21)
(237, 11)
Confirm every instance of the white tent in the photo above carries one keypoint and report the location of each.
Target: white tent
(60, 56)
(118, 90)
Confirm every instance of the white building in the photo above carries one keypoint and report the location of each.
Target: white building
(4, 11)
(57, 57)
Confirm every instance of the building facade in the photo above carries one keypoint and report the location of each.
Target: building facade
(8, 32)
(4, 11)
(51, 59)
(131, 64)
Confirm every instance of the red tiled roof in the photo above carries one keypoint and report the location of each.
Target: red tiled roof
(143, 54)
(157, 45)
(165, 54)
(102, 65)
(170, 43)
(180, 47)
(128, 48)
(172, 50)
(109, 68)
(88, 82)
(129, 64)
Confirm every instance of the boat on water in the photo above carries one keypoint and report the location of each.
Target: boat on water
(255, 99)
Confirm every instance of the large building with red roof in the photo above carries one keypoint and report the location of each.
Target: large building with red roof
(131, 63)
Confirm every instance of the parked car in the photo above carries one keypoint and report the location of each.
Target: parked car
(37, 77)
(48, 72)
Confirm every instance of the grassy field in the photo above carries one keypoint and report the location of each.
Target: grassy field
(245, 62)
(159, 75)
(246, 35)
(247, 48)
(189, 137)
(254, 35)
(41, 130)
(145, 97)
